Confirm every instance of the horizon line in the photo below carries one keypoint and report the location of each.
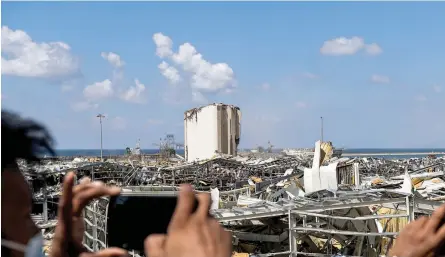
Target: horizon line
(349, 148)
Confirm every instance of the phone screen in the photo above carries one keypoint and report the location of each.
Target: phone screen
(132, 218)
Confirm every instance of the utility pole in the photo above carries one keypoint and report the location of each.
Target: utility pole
(321, 118)
(100, 116)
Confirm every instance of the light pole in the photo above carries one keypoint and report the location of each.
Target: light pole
(321, 118)
(100, 116)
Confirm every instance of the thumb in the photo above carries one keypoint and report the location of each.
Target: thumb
(61, 240)
(108, 252)
(154, 245)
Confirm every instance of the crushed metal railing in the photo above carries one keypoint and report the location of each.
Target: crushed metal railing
(272, 212)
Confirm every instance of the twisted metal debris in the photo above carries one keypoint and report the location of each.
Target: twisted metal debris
(262, 199)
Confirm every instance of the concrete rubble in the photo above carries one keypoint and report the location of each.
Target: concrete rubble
(275, 204)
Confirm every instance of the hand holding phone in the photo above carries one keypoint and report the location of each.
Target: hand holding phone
(132, 216)
(70, 226)
(191, 234)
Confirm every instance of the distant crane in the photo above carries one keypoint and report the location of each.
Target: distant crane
(168, 146)
(270, 146)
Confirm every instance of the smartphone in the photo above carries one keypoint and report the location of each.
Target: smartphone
(132, 216)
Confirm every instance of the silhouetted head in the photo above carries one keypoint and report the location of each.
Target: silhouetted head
(22, 139)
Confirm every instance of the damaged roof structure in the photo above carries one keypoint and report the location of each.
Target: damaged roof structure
(275, 204)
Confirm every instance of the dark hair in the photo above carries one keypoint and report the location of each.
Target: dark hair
(23, 139)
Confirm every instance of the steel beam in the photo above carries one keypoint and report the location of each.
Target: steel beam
(366, 217)
(349, 233)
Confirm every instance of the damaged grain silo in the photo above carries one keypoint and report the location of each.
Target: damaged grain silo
(212, 129)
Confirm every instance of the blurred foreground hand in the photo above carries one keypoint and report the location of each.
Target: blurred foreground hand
(70, 228)
(421, 237)
(191, 234)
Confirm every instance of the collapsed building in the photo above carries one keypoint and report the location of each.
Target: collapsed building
(212, 129)
(275, 204)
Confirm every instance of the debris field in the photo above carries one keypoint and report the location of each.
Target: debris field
(275, 204)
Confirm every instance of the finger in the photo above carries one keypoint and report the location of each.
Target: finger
(96, 184)
(154, 245)
(85, 180)
(85, 185)
(63, 233)
(202, 213)
(416, 229)
(94, 190)
(211, 236)
(215, 226)
(416, 225)
(225, 242)
(184, 208)
(108, 252)
(434, 221)
(65, 205)
(82, 186)
(84, 197)
(438, 237)
(78, 231)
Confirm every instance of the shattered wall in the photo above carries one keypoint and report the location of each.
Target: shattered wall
(211, 129)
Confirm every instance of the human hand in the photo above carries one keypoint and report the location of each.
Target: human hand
(70, 228)
(191, 234)
(421, 237)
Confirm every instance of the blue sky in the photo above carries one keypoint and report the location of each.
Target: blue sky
(374, 71)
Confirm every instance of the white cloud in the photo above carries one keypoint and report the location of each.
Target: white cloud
(169, 72)
(163, 45)
(437, 88)
(228, 90)
(380, 79)
(373, 49)
(342, 46)
(301, 105)
(421, 98)
(83, 106)
(134, 94)
(204, 76)
(99, 90)
(27, 58)
(114, 59)
(265, 86)
(118, 123)
(109, 87)
(199, 98)
(348, 46)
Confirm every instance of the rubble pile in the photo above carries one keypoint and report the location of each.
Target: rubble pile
(261, 197)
